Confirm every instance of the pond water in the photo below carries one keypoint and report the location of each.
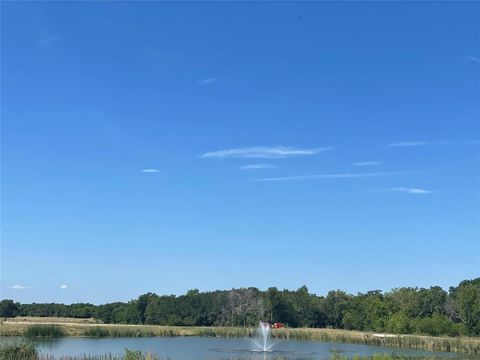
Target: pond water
(196, 348)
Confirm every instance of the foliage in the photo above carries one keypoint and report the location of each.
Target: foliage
(467, 300)
(18, 351)
(138, 355)
(8, 309)
(429, 311)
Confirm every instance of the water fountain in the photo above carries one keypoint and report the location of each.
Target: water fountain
(263, 336)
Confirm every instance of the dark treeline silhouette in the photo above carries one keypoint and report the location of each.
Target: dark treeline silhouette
(431, 311)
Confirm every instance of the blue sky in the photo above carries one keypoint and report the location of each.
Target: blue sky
(168, 146)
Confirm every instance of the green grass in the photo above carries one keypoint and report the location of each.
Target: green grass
(99, 332)
(384, 357)
(18, 351)
(444, 344)
(49, 331)
(135, 332)
(96, 331)
(138, 355)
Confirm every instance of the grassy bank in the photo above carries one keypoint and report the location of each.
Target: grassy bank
(466, 345)
(46, 331)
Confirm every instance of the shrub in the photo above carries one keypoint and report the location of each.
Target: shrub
(138, 355)
(437, 325)
(133, 354)
(399, 323)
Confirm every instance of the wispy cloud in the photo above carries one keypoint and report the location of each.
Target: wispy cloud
(407, 190)
(473, 59)
(149, 170)
(207, 81)
(433, 143)
(19, 287)
(327, 176)
(266, 152)
(63, 286)
(48, 41)
(366, 163)
(408, 143)
(256, 166)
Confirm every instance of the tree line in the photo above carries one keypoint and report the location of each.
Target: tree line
(406, 310)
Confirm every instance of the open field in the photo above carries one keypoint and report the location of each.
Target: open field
(88, 327)
(51, 320)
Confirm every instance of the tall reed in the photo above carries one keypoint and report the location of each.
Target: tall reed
(464, 345)
(50, 331)
(18, 351)
(96, 331)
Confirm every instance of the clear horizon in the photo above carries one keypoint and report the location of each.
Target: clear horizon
(162, 147)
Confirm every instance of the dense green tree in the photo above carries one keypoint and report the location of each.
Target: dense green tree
(8, 309)
(405, 300)
(128, 314)
(108, 313)
(399, 323)
(336, 304)
(432, 301)
(437, 325)
(142, 303)
(467, 302)
(405, 310)
(280, 307)
(320, 318)
(161, 311)
(304, 306)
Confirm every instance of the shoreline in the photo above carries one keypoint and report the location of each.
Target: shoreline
(91, 328)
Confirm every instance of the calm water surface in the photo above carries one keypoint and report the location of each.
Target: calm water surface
(196, 348)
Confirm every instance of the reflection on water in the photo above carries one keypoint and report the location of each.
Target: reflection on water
(195, 348)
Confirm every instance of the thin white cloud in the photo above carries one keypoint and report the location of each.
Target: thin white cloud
(473, 59)
(48, 41)
(366, 163)
(407, 190)
(207, 81)
(149, 170)
(433, 143)
(326, 176)
(408, 143)
(266, 152)
(19, 287)
(256, 166)
(63, 286)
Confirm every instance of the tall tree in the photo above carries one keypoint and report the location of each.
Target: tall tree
(8, 309)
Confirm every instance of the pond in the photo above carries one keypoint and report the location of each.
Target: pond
(195, 348)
